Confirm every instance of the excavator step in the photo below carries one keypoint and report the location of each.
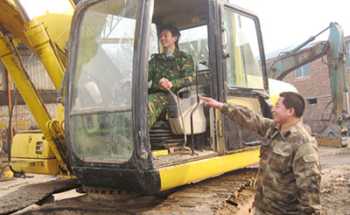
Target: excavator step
(34, 193)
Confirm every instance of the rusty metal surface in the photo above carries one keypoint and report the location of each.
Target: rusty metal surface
(214, 196)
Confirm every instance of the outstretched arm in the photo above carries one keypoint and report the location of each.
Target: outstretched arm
(242, 115)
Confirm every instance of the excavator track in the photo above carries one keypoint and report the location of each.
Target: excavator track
(221, 195)
(33, 193)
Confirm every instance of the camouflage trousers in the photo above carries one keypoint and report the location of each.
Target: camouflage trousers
(157, 103)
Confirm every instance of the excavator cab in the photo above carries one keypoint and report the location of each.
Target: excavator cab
(110, 144)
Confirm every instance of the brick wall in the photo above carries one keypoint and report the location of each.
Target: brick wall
(316, 85)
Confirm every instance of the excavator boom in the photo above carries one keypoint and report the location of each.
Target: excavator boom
(43, 29)
(334, 50)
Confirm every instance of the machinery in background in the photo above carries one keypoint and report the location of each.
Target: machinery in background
(337, 131)
(44, 30)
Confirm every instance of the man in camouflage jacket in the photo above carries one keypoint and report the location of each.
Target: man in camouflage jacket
(173, 69)
(289, 175)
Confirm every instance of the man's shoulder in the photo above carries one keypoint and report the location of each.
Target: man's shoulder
(302, 140)
(300, 134)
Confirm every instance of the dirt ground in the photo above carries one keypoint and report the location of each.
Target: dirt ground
(335, 187)
(335, 184)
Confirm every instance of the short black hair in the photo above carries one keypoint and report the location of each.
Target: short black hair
(174, 32)
(294, 100)
(173, 29)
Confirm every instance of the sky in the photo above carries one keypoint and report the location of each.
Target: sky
(287, 23)
(39, 7)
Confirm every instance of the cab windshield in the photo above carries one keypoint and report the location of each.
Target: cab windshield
(101, 111)
(244, 68)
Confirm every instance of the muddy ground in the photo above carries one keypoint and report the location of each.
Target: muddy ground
(335, 187)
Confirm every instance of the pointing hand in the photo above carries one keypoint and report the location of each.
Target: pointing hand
(210, 102)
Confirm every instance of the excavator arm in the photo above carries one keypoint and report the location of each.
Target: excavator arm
(334, 51)
(45, 33)
(287, 63)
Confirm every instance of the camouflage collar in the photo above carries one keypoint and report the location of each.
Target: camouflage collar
(285, 132)
(287, 126)
(176, 53)
(291, 128)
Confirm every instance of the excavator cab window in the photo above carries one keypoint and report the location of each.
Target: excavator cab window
(100, 117)
(242, 50)
(194, 41)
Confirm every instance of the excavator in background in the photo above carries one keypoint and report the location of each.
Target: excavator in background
(337, 131)
(104, 140)
(43, 29)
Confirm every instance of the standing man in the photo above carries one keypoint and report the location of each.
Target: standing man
(172, 69)
(289, 177)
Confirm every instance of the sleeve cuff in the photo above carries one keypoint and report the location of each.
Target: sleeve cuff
(225, 108)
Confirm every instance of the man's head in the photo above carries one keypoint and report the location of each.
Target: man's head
(289, 106)
(169, 36)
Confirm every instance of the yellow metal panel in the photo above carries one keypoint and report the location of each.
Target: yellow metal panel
(158, 153)
(31, 153)
(31, 145)
(195, 171)
(38, 166)
(251, 103)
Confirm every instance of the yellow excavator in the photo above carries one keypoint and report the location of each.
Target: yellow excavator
(43, 27)
(104, 140)
(106, 102)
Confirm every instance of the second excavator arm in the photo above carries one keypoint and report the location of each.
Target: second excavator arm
(333, 49)
(335, 52)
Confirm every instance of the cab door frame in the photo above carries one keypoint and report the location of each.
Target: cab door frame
(224, 91)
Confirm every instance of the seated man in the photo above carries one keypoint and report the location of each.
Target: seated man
(173, 69)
